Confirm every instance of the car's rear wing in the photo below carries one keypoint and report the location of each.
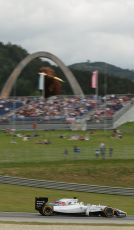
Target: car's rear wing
(40, 201)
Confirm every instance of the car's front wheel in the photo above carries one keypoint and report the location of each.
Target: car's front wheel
(107, 212)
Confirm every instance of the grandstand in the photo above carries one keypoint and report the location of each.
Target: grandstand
(67, 112)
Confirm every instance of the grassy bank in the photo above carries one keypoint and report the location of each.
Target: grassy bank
(21, 199)
(32, 158)
(16, 149)
(108, 172)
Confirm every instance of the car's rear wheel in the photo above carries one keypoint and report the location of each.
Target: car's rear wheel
(47, 211)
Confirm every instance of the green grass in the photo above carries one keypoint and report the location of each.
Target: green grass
(21, 199)
(110, 172)
(30, 151)
(39, 161)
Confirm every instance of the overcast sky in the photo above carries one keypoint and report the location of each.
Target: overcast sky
(73, 30)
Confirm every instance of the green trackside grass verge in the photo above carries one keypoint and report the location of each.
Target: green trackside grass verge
(30, 159)
(108, 173)
(21, 199)
(47, 161)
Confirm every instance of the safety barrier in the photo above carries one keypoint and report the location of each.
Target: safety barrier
(66, 186)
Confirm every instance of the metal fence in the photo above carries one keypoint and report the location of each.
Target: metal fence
(66, 186)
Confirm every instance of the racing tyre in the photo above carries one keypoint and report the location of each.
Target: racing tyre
(47, 211)
(108, 212)
(40, 211)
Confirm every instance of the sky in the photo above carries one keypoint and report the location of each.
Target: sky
(73, 30)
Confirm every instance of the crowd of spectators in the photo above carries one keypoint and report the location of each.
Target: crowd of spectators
(7, 105)
(66, 108)
(111, 105)
(56, 108)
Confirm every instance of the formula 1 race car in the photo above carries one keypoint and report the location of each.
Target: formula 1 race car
(73, 206)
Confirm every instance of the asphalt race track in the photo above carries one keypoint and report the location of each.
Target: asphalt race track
(35, 217)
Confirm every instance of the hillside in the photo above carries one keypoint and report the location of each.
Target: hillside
(27, 83)
(104, 68)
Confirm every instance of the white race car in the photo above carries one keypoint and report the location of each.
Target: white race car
(73, 206)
